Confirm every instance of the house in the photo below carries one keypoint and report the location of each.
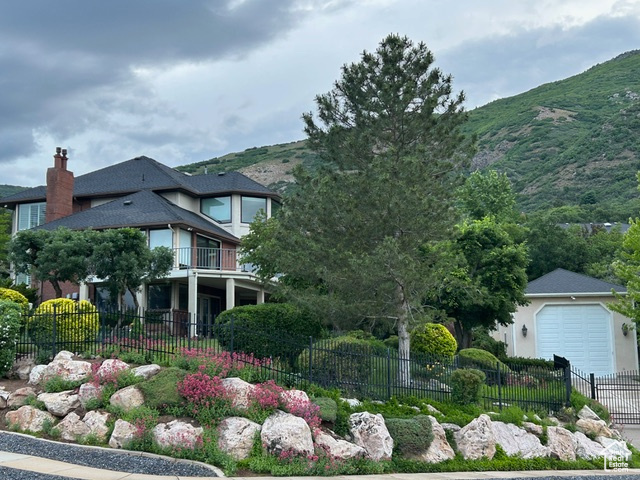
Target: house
(201, 217)
(568, 315)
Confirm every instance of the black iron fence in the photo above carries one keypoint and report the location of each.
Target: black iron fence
(619, 392)
(357, 369)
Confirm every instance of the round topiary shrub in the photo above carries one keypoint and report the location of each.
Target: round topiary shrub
(10, 313)
(268, 330)
(74, 323)
(433, 339)
(411, 436)
(466, 384)
(16, 297)
(483, 360)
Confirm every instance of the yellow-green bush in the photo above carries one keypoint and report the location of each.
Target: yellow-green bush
(75, 323)
(16, 297)
(433, 339)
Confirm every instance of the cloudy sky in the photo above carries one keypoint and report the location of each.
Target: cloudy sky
(185, 81)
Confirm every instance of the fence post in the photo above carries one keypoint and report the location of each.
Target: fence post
(189, 325)
(567, 383)
(592, 382)
(388, 373)
(499, 386)
(232, 327)
(310, 359)
(55, 334)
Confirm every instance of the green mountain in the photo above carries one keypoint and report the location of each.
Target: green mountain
(574, 142)
(6, 190)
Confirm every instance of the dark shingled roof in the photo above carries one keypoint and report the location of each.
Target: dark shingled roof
(144, 173)
(143, 208)
(562, 281)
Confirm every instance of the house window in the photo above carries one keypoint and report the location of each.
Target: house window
(218, 208)
(160, 297)
(160, 238)
(251, 206)
(31, 215)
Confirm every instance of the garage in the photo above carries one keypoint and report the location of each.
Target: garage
(580, 333)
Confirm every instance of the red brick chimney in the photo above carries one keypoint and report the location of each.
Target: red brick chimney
(59, 188)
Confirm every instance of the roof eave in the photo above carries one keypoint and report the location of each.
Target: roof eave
(574, 294)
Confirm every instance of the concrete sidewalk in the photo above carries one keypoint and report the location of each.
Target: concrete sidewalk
(53, 467)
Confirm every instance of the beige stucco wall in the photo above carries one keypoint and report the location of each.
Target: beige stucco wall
(626, 352)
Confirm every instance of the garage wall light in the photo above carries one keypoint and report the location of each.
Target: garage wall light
(524, 330)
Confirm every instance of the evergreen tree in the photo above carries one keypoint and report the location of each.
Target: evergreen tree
(350, 241)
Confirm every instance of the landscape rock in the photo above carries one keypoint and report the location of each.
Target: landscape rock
(596, 428)
(294, 396)
(532, 428)
(61, 403)
(433, 410)
(370, 432)
(36, 374)
(88, 391)
(97, 423)
(147, 371)
(439, 450)
(123, 433)
(338, 448)
(476, 439)
(586, 413)
(22, 368)
(516, 441)
(127, 398)
(352, 402)
(63, 355)
(239, 391)
(614, 448)
(451, 427)
(177, 434)
(66, 369)
(236, 435)
(72, 428)
(587, 448)
(561, 443)
(4, 398)
(19, 397)
(111, 367)
(283, 432)
(29, 419)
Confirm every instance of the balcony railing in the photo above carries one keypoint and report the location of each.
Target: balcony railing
(224, 259)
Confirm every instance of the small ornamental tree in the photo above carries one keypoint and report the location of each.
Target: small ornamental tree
(10, 313)
(75, 323)
(433, 339)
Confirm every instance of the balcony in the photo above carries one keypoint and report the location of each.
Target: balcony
(222, 259)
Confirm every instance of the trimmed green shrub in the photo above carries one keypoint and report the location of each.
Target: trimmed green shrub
(344, 361)
(465, 385)
(328, 408)
(161, 390)
(254, 325)
(481, 339)
(483, 360)
(433, 339)
(75, 323)
(411, 436)
(523, 364)
(392, 342)
(16, 297)
(10, 313)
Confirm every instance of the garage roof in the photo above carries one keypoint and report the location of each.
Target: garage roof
(564, 282)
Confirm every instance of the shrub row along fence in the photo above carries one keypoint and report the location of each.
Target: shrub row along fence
(356, 368)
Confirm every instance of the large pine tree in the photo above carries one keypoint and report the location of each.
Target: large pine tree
(350, 242)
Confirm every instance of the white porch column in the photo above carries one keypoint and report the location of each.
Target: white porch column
(193, 303)
(84, 291)
(231, 293)
(260, 297)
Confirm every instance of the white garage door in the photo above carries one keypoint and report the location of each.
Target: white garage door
(580, 333)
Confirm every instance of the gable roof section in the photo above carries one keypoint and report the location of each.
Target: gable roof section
(144, 173)
(564, 282)
(141, 209)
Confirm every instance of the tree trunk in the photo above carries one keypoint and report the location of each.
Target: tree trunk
(463, 336)
(56, 288)
(404, 345)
